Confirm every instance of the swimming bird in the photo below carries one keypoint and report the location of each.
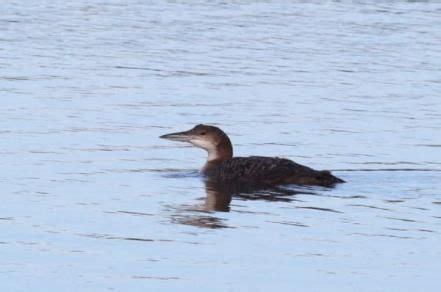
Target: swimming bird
(222, 167)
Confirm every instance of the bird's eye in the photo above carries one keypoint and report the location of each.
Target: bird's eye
(202, 133)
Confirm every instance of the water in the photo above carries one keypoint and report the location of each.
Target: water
(92, 200)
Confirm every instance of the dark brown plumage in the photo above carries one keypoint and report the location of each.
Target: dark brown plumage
(222, 167)
(268, 171)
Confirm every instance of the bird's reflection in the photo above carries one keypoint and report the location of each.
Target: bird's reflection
(218, 198)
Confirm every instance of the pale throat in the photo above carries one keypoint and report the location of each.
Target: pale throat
(214, 152)
(214, 157)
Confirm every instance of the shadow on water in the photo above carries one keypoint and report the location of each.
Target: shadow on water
(218, 197)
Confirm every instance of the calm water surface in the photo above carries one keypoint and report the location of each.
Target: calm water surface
(92, 200)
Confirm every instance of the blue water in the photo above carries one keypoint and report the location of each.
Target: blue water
(92, 200)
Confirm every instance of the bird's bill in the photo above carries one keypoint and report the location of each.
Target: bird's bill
(185, 136)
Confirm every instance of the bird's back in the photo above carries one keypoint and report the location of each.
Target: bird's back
(269, 171)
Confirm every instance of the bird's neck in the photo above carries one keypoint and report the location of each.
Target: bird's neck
(218, 154)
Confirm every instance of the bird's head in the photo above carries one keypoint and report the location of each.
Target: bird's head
(210, 138)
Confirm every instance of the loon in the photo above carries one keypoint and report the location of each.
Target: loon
(222, 167)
